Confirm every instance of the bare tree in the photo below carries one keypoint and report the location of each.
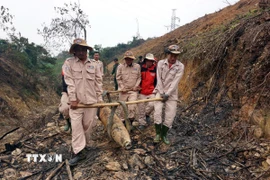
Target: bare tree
(6, 20)
(71, 23)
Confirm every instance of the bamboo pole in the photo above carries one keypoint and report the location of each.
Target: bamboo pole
(98, 105)
(119, 91)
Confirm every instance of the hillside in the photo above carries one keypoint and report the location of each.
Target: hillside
(223, 93)
(27, 96)
(226, 56)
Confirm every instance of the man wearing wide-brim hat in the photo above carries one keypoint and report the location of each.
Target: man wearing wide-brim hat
(169, 73)
(84, 85)
(129, 77)
(148, 83)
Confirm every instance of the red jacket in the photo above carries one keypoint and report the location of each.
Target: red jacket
(149, 79)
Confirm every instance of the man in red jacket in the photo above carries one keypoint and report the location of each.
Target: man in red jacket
(148, 83)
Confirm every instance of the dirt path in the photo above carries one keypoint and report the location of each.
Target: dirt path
(204, 145)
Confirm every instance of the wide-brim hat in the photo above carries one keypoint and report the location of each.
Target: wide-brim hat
(174, 49)
(79, 42)
(129, 54)
(149, 57)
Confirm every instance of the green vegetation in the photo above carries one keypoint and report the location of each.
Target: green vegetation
(107, 54)
(35, 62)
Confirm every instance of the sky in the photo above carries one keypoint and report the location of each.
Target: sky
(112, 21)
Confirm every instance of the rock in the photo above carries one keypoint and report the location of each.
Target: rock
(25, 160)
(140, 151)
(268, 160)
(149, 160)
(25, 173)
(135, 161)
(78, 175)
(267, 124)
(16, 152)
(41, 145)
(105, 159)
(125, 166)
(135, 124)
(258, 118)
(10, 174)
(136, 137)
(50, 124)
(265, 165)
(151, 147)
(62, 128)
(263, 144)
(113, 166)
(122, 175)
(258, 132)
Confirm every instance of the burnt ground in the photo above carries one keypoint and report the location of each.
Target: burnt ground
(205, 144)
(226, 83)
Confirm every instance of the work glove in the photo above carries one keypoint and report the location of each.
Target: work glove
(165, 97)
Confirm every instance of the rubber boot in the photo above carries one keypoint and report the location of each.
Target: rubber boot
(68, 125)
(158, 133)
(77, 158)
(164, 132)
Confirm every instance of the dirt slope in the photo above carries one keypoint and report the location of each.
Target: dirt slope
(25, 104)
(226, 55)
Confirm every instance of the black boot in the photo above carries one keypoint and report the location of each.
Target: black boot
(78, 157)
(158, 133)
(164, 132)
(131, 120)
(148, 119)
(61, 117)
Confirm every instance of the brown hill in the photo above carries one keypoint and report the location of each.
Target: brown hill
(24, 102)
(226, 79)
(226, 56)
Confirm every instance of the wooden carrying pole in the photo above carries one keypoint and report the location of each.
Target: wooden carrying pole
(98, 105)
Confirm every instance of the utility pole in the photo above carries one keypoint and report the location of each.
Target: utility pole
(173, 21)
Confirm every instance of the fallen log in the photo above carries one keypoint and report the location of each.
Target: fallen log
(98, 105)
(118, 130)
